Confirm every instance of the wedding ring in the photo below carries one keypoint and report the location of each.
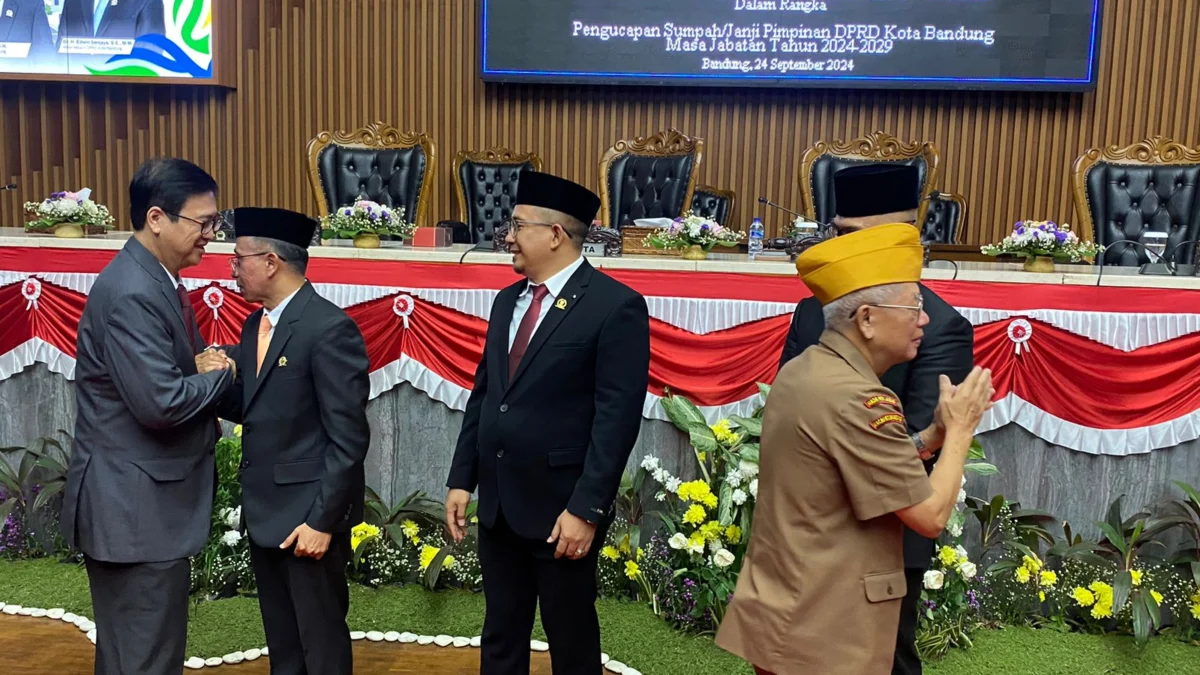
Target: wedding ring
(578, 551)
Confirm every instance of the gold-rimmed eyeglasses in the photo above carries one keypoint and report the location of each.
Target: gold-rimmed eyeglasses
(515, 224)
(236, 261)
(918, 308)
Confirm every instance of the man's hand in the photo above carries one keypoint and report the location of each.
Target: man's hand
(574, 536)
(960, 408)
(309, 542)
(456, 513)
(212, 359)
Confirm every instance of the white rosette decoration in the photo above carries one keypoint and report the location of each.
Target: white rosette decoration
(214, 299)
(1019, 331)
(31, 290)
(403, 305)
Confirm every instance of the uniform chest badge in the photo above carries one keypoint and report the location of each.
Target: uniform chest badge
(282, 361)
(561, 304)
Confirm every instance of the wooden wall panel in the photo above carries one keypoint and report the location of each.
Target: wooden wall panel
(303, 66)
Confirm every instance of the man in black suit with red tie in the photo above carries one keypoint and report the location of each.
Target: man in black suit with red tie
(553, 416)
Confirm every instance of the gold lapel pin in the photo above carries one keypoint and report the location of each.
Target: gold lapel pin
(282, 361)
(561, 304)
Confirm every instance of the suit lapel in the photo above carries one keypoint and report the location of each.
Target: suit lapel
(497, 343)
(279, 339)
(169, 291)
(570, 297)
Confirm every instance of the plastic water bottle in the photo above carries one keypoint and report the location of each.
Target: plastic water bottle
(755, 245)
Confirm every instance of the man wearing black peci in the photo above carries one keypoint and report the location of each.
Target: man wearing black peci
(301, 397)
(553, 415)
(879, 194)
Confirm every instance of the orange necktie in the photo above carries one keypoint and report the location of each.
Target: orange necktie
(264, 339)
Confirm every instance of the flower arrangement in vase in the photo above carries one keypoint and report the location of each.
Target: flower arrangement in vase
(365, 222)
(1042, 243)
(695, 235)
(69, 215)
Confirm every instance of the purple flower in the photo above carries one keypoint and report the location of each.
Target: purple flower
(1060, 236)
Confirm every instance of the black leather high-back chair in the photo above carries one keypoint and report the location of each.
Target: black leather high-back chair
(379, 163)
(710, 202)
(945, 214)
(487, 187)
(651, 177)
(1123, 193)
(822, 160)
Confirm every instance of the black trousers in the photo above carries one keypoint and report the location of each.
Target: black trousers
(906, 661)
(304, 604)
(141, 612)
(518, 575)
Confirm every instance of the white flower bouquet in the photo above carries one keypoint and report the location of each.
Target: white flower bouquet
(68, 214)
(693, 230)
(1043, 239)
(366, 218)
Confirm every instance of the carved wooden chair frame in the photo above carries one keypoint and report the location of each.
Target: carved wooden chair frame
(962, 214)
(494, 155)
(1156, 150)
(667, 143)
(877, 147)
(380, 136)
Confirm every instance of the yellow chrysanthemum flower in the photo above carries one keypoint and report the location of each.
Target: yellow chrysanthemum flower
(1047, 578)
(1196, 611)
(1137, 577)
(696, 540)
(734, 534)
(948, 556)
(1042, 596)
(724, 432)
(428, 553)
(237, 430)
(640, 553)
(624, 546)
(1032, 564)
(360, 533)
(1023, 575)
(1104, 592)
(610, 553)
(631, 569)
(448, 562)
(711, 530)
(695, 515)
(1083, 597)
(702, 456)
(1102, 610)
(1158, 598)
(710, 500)
(693, 491)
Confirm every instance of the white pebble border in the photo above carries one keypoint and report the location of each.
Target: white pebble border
(196, 663)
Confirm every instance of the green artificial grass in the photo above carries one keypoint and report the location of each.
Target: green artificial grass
(630, 632)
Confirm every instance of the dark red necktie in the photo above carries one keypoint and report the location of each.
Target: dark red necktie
(525, 330)
(189, 317)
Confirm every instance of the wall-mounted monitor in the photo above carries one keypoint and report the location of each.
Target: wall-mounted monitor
(107, 40)
(950, 44)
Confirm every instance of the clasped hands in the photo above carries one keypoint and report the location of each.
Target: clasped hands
(573, 534)
(214, 359)
(961, 407)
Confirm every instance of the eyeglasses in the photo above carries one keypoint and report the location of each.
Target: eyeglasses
(206, 226)
(236, 261)
(912, 308)
(515, 225)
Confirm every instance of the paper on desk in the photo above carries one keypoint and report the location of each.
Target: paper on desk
(653, 222)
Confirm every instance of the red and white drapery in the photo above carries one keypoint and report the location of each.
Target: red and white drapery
(1100, 370)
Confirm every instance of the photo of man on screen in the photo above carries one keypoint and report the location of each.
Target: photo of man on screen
(111, 19)
(23, 22)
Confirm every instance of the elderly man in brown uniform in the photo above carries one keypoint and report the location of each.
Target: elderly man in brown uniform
(820, 590)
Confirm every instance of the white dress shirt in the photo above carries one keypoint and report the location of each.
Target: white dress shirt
(275, 315)
(175, 281)
(554, 286)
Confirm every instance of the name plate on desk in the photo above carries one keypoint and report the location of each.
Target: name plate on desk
(602, 242)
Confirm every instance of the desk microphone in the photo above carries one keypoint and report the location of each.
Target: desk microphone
(10, 186)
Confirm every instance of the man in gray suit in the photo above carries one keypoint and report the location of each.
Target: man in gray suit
(140, 486)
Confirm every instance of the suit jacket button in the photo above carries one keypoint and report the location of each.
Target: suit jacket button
(889, 590)
(245, 464)
(500, 452)
(503, 407)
